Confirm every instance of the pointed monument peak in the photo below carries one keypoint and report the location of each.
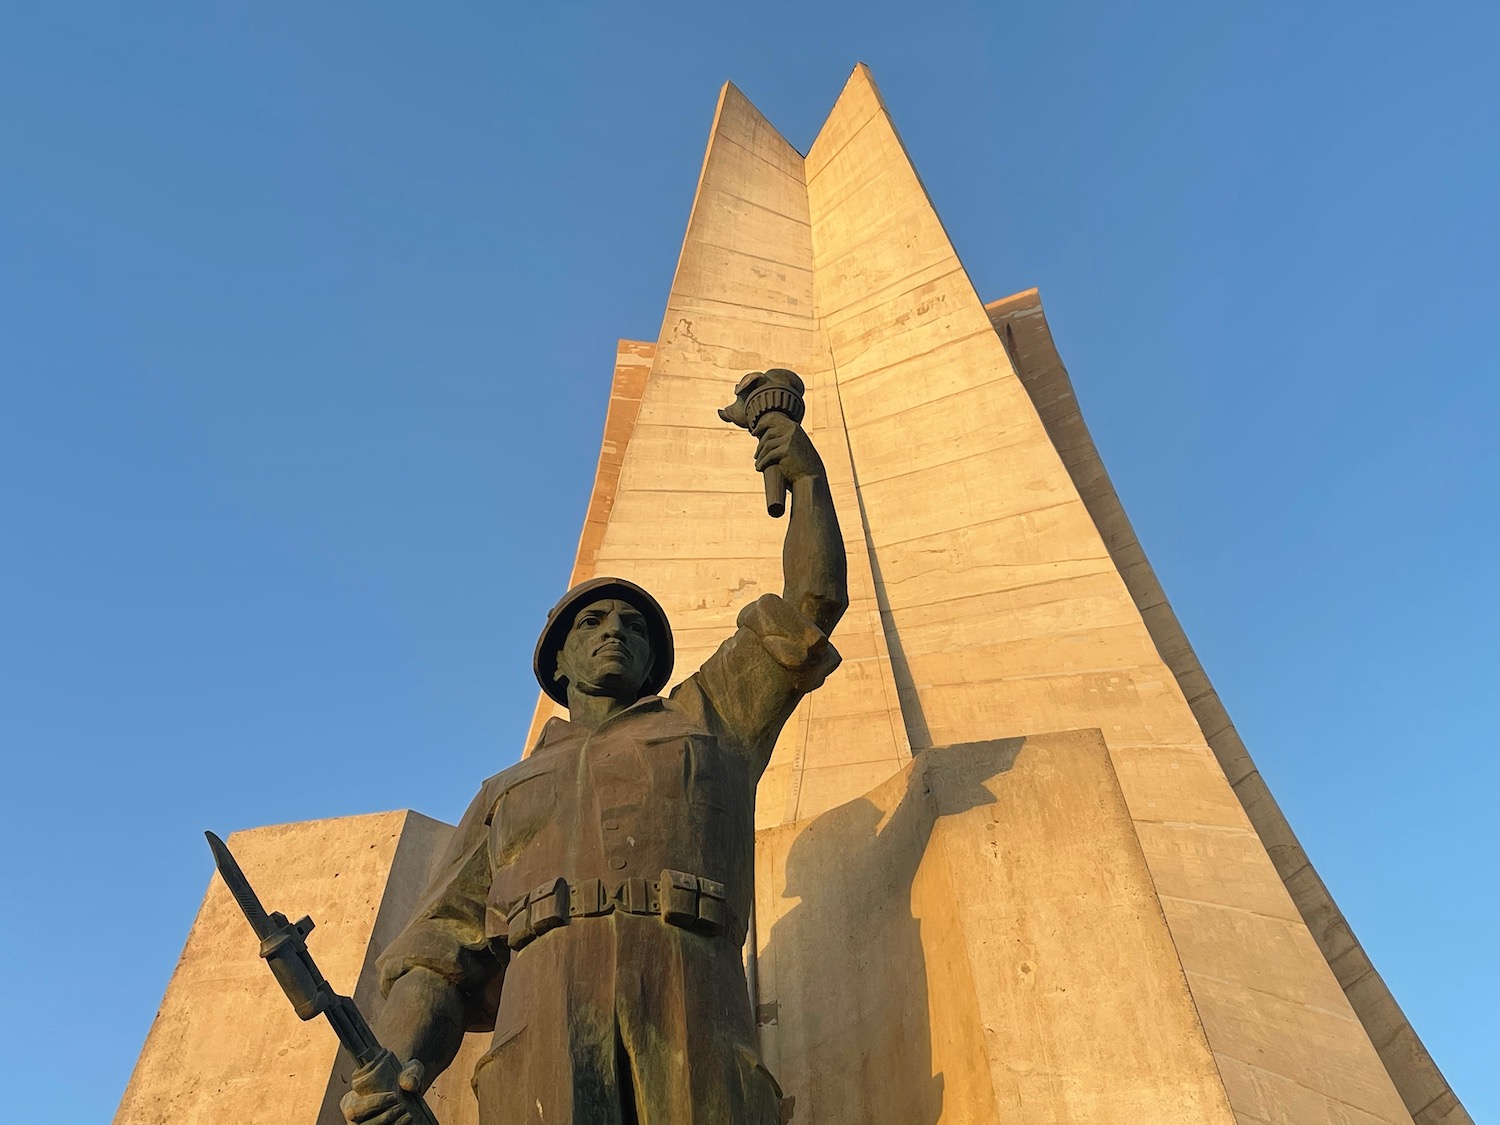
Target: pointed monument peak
(857, 104)
(863, 78)
(737, 119)
(730, 94)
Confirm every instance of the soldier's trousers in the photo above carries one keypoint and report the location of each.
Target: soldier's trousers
(625, 1020)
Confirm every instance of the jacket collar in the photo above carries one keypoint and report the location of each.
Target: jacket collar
(559, 730)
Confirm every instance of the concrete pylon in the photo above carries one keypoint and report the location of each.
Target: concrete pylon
(1014, 864)
(673, 507)
(1010, 594)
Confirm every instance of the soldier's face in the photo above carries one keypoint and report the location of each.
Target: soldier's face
(607, 651)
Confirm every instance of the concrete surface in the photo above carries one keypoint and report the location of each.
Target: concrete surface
(225, 1044)
(977, 940)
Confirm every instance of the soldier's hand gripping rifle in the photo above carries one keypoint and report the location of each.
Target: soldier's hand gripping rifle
(284, 946)
(756, 395)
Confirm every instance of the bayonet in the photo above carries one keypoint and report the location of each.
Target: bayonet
(239, 887)
(283, 944)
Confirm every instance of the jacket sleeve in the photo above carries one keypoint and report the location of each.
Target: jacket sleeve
(755, 679)
(447, 932)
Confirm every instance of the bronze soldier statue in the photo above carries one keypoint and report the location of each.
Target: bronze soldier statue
(591, 910)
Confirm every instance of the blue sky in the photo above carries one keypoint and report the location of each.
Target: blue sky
(306, 324)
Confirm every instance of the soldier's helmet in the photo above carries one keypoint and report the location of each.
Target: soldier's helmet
(560, 620)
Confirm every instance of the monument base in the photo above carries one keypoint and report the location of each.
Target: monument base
(975, 940)
(978, 940)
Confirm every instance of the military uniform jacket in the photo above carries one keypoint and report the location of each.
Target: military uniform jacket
(667, 784)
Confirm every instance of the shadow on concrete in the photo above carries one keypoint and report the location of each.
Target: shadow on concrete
(850, 1014)
(917, 733)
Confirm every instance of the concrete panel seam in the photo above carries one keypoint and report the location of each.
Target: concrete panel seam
(1005, 440)
(739, 253)
(724, 138)
(726, 194)
(950, 342)
(825, 161)
(720, 304)
(1281, 918)
(892, 543)
(959, 599)
(874, 298)
(1248, 831)
(1347, 1016)
(1278, 1076)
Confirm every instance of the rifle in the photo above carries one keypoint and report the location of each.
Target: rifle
(284, 946)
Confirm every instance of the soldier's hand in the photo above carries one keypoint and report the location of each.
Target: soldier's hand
(785, 444)
(377, 1092)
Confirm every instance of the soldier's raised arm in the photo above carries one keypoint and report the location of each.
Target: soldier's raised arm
(814, 568)
(816, 573)
(780, 649)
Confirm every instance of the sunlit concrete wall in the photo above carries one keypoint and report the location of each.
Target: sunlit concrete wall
(1022, 326)
(977, 940)
(226, 1044)
(1012, 616)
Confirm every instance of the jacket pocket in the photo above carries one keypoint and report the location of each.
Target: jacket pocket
(689, 766)
(522, 810)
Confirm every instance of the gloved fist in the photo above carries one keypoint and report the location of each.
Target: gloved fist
(785, 444)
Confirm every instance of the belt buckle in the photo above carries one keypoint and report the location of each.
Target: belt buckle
(587, 899)
(637, 896)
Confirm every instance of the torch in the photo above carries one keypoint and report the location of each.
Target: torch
(756, 395)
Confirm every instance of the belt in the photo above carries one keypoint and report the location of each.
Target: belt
(679, 897)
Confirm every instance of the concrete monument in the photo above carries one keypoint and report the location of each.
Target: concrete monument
(1012, 863)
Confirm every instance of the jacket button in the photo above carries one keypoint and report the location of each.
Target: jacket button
(617, 862)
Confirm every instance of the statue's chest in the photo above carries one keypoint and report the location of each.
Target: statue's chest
(653, 767)
(648, 780)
